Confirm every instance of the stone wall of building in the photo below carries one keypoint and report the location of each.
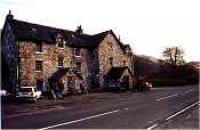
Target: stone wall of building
(94, 64)
(109, 48)
(27, 64)
(130, 61)
(49, 57)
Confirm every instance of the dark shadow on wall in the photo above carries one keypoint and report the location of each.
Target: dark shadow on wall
(93, 78)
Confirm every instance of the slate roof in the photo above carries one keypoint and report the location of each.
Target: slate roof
(116, 72)
(26, 31)
(127, 46)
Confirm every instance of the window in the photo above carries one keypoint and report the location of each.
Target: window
(77, 52)
(60, 43)
(60, 40)
(38, 65)
(78, 66)
(111, 61)
(111, 45)
(39, 47)
(124, 62)
(60, 61)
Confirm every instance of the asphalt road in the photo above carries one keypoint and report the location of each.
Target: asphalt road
(169, 107)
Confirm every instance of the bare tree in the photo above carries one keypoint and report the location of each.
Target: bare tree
(174, 55)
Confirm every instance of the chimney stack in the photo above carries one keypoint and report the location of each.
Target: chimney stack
(119, 38)
(9, 15)
(79, 30)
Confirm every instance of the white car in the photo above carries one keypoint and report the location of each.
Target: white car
(148, 85)
(28, 93)
(3, 93)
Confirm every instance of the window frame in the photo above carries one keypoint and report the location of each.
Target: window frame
(60, 60)
(38, 45)
(111, 61)
(60, 41)
(38, 65)
(78, 66)
(75, 52)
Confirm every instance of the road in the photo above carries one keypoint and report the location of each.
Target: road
(168, 107)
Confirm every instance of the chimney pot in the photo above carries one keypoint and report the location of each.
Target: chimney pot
(9, 15)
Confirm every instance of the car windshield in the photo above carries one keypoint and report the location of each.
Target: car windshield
(26, 89)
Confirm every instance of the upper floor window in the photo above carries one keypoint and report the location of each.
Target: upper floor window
(60, 61)
(111, 61)
(78, 66)
(38, 65)
(39, 47)
(77, 52)
(124, 62)
(111, 45)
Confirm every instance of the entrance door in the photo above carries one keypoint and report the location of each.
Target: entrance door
(70, 84)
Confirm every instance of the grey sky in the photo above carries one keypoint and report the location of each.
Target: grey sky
(147, 25)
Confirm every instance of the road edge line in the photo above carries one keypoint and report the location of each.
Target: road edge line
(183, 110)
(79, 120)
(174, 115)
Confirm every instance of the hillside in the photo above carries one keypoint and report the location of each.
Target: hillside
(163, 74)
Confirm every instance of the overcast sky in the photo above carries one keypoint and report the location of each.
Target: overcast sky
(147, 25)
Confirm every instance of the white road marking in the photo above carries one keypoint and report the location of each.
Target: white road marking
(174, 95)
(174, 115)
(151, 127)
(126, 108)
(79, 120)
(189, 91)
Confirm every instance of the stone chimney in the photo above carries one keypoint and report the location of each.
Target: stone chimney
(79, 30)
(9, 15)
(119, 38)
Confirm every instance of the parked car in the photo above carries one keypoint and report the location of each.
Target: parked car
(148, 86)
(28, 93)
(3, 93)
(140, 84)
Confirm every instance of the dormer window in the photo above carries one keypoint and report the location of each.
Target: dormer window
(78, 66)
(60, 41)
(77, 52)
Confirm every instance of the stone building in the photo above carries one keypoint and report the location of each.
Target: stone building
(41, 56)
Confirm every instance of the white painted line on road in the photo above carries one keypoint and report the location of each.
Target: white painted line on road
(174, 95)
(79, 120)
(151, 127)
(174, 115)
(189, 91)
(126, 108)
